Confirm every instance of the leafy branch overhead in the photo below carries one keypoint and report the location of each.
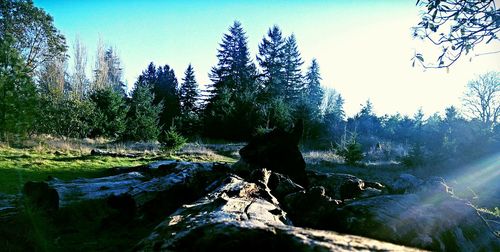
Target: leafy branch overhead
(456, 26)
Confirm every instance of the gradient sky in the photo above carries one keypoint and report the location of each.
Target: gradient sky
(363, 47)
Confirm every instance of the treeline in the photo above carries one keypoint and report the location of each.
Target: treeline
(39, 95)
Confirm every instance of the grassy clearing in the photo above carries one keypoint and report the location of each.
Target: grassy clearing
(17, 166)
(70, 159)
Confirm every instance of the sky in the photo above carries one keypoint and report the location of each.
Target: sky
(363, 47)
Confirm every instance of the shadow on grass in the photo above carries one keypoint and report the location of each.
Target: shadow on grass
(77, 158)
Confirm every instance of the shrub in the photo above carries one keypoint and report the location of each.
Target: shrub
(415, 157)
(172, 140)
(352, 153)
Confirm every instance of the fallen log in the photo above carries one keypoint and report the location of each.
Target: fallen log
(98, 152)
(242, 216)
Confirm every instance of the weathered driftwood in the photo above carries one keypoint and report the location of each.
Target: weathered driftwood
(243, 216)
(179, 183)
(98, 152)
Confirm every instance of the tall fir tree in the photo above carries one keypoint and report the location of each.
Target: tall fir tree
(189, 123)
(293, 73)
(163, 84)
(271, 59)
(313, 85)
(233, 90)
(188, 92)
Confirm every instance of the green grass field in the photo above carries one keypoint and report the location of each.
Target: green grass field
(19, 165)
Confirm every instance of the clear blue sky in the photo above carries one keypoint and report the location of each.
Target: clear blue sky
(363, 47)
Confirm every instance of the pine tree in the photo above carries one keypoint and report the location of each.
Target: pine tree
(163, 84)
(313, 84)
(293, 73)
(143, 115)
(233, 90)
(271, 59)
(188, 93)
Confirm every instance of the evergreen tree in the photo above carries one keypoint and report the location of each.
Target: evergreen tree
(234, 90)
(293, 73)
(143, 115)
(163, 84)
(313, 84)
(272, 61)
(188, 93)
(17, 92)
(110, 112)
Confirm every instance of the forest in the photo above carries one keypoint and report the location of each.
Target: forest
(45, 104)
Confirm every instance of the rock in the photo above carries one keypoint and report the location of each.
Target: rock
(311, 208)
(277, 151)
(337, 185)
(406, 183)
(41, 196)
(235, 218)
(282, 186)
(430, 218)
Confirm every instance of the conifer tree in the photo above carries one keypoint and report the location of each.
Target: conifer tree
(271, 59)
(233, 90)
(188, 93)
(313, 82)
(293, 73)
(110, 112)
(163, 84)
(143, 116)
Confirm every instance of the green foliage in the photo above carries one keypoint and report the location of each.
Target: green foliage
(350, 150)
(17, 93)
(415, 157)
(233, 91)
(188, 93)
(172, 140)
(313, 86)
(110, 113)
(33, 31)
(352, 153)
(68, 117)
(143, 116)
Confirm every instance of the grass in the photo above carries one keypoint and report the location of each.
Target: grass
(71, 159)
(79, 227)
(17, 166)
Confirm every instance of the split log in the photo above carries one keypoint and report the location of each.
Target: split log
(242, 216)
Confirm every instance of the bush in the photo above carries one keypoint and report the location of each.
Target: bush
(415, 157)
(171, 140)
(352, 153)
